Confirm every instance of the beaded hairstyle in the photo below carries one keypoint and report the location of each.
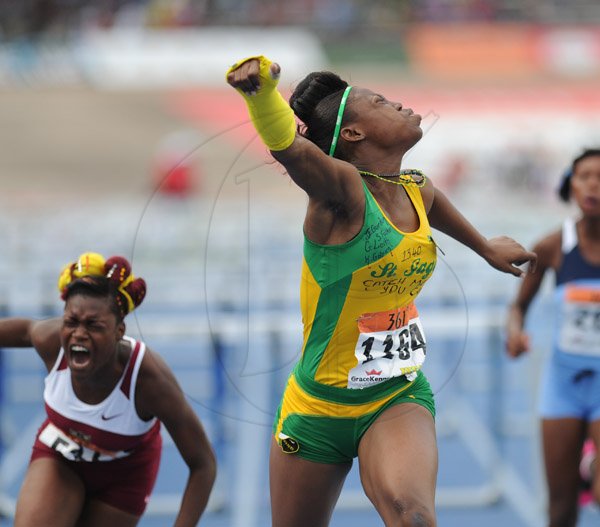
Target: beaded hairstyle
(129, 291)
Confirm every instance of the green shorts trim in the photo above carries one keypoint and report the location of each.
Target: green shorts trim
(335, 438)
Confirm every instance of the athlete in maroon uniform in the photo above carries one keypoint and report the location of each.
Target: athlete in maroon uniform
(96, 457)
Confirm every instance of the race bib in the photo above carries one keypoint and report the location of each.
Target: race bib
(580, 328)
(390, 344)
(72, 450)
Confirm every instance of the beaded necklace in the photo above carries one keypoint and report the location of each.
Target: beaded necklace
(404, 177)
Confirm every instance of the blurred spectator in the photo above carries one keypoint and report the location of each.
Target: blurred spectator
(34, 19)
(175, 167)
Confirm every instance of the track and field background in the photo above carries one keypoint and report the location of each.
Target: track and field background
(83, 169)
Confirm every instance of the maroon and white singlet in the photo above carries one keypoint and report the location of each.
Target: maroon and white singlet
(115, 453)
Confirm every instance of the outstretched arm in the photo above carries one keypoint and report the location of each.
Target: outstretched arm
(43, 335)
(322, 177)
(517, 341)
(158, 394)
(16, 332)
(502, 253)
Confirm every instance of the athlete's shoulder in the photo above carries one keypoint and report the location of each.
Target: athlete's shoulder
(45, 338)
(548, 249)
(427, 189)
(153, 370)
(149, 381)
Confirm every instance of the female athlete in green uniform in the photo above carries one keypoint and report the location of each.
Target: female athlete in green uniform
(357, 389)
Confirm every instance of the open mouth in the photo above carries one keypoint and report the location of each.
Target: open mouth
(80, 356)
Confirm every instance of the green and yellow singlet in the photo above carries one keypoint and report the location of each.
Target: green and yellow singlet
(361, 327)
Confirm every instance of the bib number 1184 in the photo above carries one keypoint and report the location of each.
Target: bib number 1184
(400, 343)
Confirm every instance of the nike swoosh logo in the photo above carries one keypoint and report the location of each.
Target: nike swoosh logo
(104, 418)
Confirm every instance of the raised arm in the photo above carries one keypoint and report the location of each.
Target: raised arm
(502, 253)
(158, 394)
(43, 335)
(548, 251)
(322, 177)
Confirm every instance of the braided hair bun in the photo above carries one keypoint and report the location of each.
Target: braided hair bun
(313, 89)
(118, 270)
(129, 291)
(316, 101)
(88, 264)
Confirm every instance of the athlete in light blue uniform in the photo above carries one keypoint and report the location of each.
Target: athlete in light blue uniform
(570, 388)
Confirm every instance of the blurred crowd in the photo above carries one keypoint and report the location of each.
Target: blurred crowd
(60, 19)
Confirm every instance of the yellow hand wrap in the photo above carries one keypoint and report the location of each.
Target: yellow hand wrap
(272, 116)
